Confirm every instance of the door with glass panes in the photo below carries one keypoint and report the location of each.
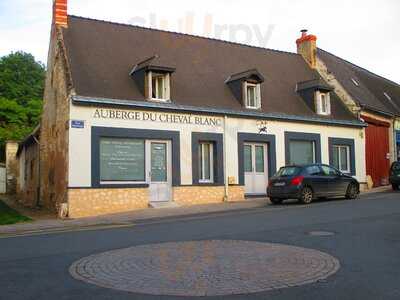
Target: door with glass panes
(159, 170)
(255, 169)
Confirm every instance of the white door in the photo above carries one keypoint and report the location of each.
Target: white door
(159, 166)
(255, 169)
(2, 180)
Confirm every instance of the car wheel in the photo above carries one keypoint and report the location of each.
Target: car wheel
(395, 187)
(306, 196)
(275, 200)
(352, 191)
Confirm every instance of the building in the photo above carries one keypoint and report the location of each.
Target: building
(372, 98)
(136, 116)
(28, 156)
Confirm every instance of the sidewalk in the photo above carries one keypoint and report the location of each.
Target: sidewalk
(125, 219)
(49, 223)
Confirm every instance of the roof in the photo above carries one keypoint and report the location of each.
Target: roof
(102, 54)
(371, 88)
(32, 138)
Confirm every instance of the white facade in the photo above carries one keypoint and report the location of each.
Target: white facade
(80, 138)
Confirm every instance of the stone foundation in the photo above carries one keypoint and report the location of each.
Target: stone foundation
(191, 195)
(94, 202)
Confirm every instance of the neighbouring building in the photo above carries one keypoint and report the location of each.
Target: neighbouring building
(372, 98)
(136, 116)
(28, 155)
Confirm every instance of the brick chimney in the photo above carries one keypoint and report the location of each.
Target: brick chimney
(307, 47)
(60, 13)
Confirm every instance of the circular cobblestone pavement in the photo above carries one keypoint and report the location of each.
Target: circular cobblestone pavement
(205, 268)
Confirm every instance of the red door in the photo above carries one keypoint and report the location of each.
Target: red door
(376, 150)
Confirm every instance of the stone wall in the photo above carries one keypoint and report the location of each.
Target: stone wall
(190, 195)
(54, 127)
(94, 202)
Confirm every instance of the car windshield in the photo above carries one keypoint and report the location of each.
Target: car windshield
(288, 171)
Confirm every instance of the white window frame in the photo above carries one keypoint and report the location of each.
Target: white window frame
(202, 178)
(321, 109)
(347, 158)
(257, 100)
(166, 90)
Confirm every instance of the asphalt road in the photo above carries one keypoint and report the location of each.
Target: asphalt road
(366, 242)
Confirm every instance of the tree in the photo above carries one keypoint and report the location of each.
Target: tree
(21, 92)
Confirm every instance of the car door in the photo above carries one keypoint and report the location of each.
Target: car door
(315, 179)
(333, 183)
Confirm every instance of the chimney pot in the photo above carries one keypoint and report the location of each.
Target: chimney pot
(60, 15)
(303, 32)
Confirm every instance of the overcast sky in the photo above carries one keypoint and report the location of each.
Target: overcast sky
(365, 32)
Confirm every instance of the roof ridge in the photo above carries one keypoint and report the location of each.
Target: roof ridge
(361, 68)
(183, 34)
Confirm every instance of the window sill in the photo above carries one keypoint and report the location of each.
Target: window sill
(122, 185)
(160, 100)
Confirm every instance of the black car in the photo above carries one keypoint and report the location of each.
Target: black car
(307, 182)
(394, 176)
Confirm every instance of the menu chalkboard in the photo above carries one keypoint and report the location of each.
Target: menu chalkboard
(122, 159)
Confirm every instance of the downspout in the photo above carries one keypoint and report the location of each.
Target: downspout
(38, 187)
(226, 194)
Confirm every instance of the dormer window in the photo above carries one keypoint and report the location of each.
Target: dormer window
(246, 87)
(159, 86)
(323, 103)
(253, 95)
(153, 77)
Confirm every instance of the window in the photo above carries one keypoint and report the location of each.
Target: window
(159, 87)
(387, 96)
(288, 171)
(341, 158)
(248, 159)
(355, 82)
(323, 103)
(253, 95)
(328, 171)
(302, 152)
(206, 170)
(313, 170)
(122, 160)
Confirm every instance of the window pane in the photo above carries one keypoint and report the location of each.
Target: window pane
(336, 157)
(251, 96)
(158, 162)
(288, 171)
(247, 159)
(160, 87)
(313, 171)
(343, 159)
(302, 152)
(154, 87)
(259, 159)
(122, 159)
(201, 161)
(327, 171)
(207, 161)
(323, 103)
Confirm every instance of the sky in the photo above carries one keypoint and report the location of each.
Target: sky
(365, 32)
